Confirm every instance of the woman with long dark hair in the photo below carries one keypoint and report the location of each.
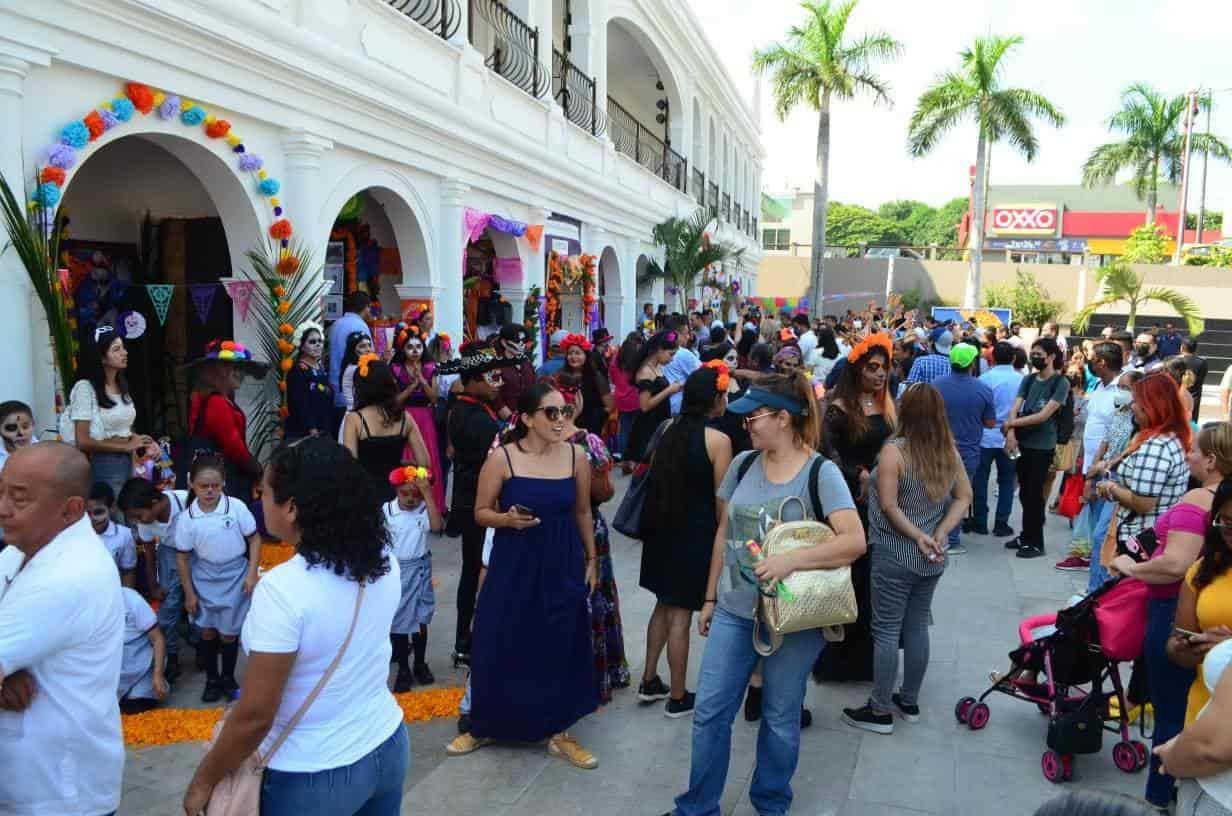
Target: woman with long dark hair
(357, 345)
(334, 600)
(533, 662)
(377, 432)
(826, 355)
(416, 378)
(621, 370)
(595, 390)
(679, 520)
(859, 418)
(310, 397)
(101, 411)
(654, 392)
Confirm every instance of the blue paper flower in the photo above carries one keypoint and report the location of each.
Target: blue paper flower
(109, 118)
(193, 116)
(122, 108)
(170, 108)
(269, 187)
(75, 134)
(47, 195)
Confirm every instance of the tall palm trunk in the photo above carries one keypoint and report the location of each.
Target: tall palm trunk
(1152, 193)
(971, 298)
(821, 194)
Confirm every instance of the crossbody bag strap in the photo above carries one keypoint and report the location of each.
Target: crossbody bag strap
(312, 696)
(814, 480)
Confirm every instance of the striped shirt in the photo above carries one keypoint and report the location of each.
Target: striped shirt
(885, 541)
(928, 368)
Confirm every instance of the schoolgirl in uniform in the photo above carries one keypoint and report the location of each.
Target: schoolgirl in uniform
(142, 682)
(217, 554)
(409, 516)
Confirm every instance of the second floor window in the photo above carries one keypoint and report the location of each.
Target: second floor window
(778, 240)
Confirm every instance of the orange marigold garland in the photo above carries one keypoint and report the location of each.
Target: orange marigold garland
(275, 553)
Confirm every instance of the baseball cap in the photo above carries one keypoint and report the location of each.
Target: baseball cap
(963, 355)
(943, 340)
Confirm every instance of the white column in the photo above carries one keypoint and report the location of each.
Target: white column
(541, 11)
(461, 37)
(448, 271)
(302, 198)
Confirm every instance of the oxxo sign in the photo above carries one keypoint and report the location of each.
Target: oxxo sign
(1023, 219)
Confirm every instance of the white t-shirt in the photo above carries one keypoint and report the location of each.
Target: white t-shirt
(297, 609)
(219, 535)
(62, 620)
(808, 344)
(105, 423)
(163, 532)
(119, 542)
(408, 530)
(1101, 408)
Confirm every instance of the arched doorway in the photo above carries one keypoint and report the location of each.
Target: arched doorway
(183, 222)
(610, 290)
(484, 311)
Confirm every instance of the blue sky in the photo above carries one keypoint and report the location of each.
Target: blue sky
(1078, 53)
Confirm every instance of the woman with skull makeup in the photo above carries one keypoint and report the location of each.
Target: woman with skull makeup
(310, 397)
(415, 374)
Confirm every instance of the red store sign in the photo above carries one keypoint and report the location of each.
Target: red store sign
(1023, 219)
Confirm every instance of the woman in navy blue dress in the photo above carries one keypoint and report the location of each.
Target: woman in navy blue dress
(532, 659)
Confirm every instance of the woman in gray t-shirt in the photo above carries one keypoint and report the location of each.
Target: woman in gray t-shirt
(782, 417)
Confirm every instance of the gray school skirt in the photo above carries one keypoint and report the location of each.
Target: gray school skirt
(222, 604)
(418, 598)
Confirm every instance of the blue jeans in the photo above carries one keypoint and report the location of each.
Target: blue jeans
(726, 667)
(1007, 478)
(371, 786)
(1169, 684)
(1102, 511)
(971, 466)
(172, 605)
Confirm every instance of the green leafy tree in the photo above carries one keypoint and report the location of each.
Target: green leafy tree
(1147, 244)
(1211, 221)
(1154, 143)
(688, 252)
(850, 225)
(975, 92)
(911, 217)
(818, 63)
(1030, 302)
(942, 227)
(1119, 283)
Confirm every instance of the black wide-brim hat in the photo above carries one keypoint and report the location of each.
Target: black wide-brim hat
(230, 353)
(478, 362)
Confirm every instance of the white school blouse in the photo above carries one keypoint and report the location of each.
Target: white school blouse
(163, 532)
(408, 530)
(119, 543)
(219, 535)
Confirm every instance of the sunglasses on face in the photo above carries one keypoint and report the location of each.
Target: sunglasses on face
(751, 418)
(554, 413)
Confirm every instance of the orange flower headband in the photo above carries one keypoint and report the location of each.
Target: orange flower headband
(724, 374)
(410, 473)
(364, 362)
(868, 344)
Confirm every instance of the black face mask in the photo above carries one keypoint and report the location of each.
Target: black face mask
(1039, 361)
(1142, 349)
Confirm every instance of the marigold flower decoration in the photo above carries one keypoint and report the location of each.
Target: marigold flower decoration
(284, 306)
(410, 473)
(365, 361)
(287, 329)
(288, 266)
(280, 230)
(724, 375)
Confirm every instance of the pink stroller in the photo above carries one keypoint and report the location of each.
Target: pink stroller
(1091, 639)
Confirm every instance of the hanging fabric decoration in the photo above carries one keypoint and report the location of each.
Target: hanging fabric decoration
(534, 236)
(507, 270)
(543, 323)
(240, 292)
(203, 299)
(160, 296)
(507, 226)
(474, 222)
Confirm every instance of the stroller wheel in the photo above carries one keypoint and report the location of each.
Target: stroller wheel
(978, 716)
(1125, 756)
(963, 709)
(1053, 766)
(1144, 756)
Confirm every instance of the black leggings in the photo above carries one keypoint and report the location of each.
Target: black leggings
(468, 581)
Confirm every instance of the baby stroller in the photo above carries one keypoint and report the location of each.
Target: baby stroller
(1064, 673)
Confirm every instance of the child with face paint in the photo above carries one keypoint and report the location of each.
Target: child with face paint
(16, 428)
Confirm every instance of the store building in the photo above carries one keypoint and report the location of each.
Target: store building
(432, 153)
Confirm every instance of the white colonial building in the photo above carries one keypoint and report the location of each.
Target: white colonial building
(384, 126)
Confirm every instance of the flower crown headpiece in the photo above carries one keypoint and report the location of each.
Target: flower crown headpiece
(723, 381)
(297, 339)
(361, 367)
(578, 340)
(410, 473)
(868, 344)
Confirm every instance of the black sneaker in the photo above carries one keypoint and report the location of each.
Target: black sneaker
(403, 681)
(212, 693)
(752, 704)
(910, 713)
(423, 675)
(1014, 543)
(869, 720)
(675, 709)
(229, 686)
(1002, 529)
(967, 524)
(1030, 551)
(978, 529)
(806, 718)
(653, 691)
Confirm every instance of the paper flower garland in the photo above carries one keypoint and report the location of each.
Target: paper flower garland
(403, 475)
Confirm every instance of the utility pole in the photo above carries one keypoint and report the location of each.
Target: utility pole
(1206, 157)
(1190, 102)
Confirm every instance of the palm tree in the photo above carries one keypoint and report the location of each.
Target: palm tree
(813, 67)
(975, 91)
(688, 252)
(1118, 283)
(1154, 143)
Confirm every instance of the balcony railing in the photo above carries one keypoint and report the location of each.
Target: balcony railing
(441, 17)
(753, 229)
(512, 46)
(712, 199)
(636, 141)
(699, 186)
(725, 208)
(575, 91)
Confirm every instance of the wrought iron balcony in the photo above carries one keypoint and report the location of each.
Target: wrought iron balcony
(575, 91)
(712, 199)
(699, 186)
(636, 141)
(512, 46)
(441, 17)
(753, 231)
(725, 208)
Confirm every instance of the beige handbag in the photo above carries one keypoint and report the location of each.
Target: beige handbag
(821, 598)
(239, 792)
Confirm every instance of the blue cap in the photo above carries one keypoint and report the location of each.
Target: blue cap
(761, 398)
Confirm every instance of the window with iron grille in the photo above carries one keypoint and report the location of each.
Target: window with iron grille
(778, 240)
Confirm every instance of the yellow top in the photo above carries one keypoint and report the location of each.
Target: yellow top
(1214, 609)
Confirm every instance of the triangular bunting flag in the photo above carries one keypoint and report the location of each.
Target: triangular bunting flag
(160, 296)
(240, 293)
(203, 299)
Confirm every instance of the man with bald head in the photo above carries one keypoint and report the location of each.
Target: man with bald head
(61, 642)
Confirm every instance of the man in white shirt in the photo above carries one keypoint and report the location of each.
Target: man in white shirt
(806, 339)
(61, 643)
(683, 363)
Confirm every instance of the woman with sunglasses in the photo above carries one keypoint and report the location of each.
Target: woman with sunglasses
(415, 374)
(310, 397)
(654, 392)
(679, 520)
(534, 673)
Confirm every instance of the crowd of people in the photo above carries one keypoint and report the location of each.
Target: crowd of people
(883, 425)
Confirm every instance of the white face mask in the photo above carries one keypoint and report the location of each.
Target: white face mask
(857, 324)
(1122, 398)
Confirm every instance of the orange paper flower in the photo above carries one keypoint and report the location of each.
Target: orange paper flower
(280, 230)
(141, 96)
(284, 412)
(365, 361)
(285, 347)
(284, 306)
(288, 266)
(287, 329)
(94, 123)
(724, 375)
(55, 175)
(285, 364)
(282, 386)
(218, 128)
(279, 292)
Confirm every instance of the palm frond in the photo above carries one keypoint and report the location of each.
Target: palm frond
(1083, 316)
(1180, 303)
(1106, 160)
(942, 106)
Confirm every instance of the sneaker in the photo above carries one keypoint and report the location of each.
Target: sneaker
(1001, 529)
(869, 720)
(464, 744)
(403, 682)
(1075, 563)
(956, 549)
(806, 718)
(212, 693)
(1030, 551)
(229, 687)
(967, 524)
(910, 713)
(1014, 543)
(423, 675)
(752, 704)
(978, 529)
(675, 709)
(566, 747)
(653, 691)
